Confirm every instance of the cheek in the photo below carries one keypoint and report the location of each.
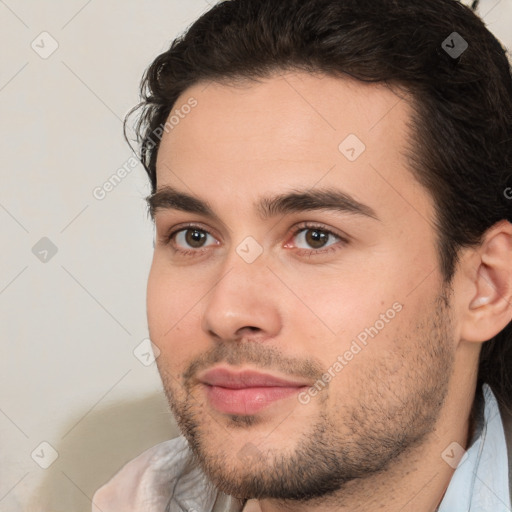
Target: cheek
(174, 322)
(168, 298)
(339, 311)
(354, 327)
(158, 302)
(167, 306)
(373, 361)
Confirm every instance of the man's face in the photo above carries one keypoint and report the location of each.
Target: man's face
(306, 347)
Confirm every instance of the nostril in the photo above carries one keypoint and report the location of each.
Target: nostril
(248, 331)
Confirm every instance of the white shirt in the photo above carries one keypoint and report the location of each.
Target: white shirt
(165, 478)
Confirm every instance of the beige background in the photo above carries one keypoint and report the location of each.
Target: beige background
(70, 324)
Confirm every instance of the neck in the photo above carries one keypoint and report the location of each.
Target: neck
(417, 479)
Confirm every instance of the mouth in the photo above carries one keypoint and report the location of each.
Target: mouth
(246, 392)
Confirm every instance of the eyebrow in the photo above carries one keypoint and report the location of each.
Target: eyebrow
(169, 198)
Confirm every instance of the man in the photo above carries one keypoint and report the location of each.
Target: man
(331, 286)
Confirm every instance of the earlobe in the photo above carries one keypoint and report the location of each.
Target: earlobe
(490, 309)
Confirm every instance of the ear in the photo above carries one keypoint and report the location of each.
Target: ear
(488, 278)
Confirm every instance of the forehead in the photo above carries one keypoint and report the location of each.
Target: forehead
(284, 111)
(288, 131)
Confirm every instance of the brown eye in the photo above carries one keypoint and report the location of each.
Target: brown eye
(311, 239)
(316, 238)
(195, 237)
(189, 239)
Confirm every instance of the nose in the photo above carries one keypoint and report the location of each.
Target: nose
(244, 302)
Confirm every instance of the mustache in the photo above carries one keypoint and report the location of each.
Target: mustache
(263, 357)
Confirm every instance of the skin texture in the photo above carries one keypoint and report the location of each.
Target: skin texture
(373, 437)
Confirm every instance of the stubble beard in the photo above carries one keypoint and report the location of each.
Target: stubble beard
(357, 440)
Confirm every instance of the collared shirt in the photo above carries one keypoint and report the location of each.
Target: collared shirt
(480, 483)
(165, 478)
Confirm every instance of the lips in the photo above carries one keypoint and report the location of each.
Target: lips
(245, 379)
(246, 392)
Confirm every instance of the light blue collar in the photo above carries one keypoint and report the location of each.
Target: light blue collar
(480, 482)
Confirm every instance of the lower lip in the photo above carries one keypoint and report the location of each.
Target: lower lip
(247, 400)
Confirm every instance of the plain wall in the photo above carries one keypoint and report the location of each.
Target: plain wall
(70, 321)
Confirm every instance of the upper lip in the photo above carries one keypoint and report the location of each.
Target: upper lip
(225, 378)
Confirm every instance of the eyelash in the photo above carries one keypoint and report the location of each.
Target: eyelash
(168, 239)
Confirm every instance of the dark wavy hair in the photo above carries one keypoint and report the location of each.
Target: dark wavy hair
(461, 131)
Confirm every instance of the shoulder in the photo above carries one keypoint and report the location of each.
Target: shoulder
(145, 482)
